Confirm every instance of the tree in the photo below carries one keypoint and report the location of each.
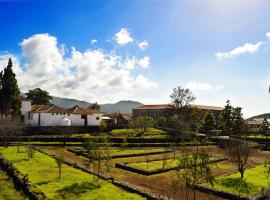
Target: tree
(194, 167)
(142, 123)
(39, 96)
(102, 125)
(10, 102)
(208, 122)
(265, 125)
(59, 161)
(231, 120)
(161, 121)
(95, 106)
(181, 97)
(9, 127)
(239, 151)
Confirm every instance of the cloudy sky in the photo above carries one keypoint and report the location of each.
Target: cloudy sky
(114, 50)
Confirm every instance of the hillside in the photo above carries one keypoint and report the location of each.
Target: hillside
(267, 115)
(121, 106)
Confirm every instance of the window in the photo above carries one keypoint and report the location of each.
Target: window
(30, 116)
(68, 114)
(97, 118)
(52, 113)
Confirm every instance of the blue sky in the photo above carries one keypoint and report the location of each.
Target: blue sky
(217, 48)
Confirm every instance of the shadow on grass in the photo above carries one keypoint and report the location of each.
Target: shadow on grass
(238, 185)
(77, 189)
(45, 182)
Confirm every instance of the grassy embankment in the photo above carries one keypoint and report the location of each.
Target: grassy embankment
(255, 179)
(74, 184)
(8, 190)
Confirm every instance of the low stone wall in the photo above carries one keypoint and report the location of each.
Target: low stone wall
(81, 153)
(126, 186)
(125, 166)
(21, 180)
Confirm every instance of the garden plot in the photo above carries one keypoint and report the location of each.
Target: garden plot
(42, 171)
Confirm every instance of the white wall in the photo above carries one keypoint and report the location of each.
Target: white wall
(94, 119)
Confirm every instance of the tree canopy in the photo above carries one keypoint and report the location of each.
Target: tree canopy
(209, 122)
(95, 106)
(39, 96)
(10, 102)
(181, 97)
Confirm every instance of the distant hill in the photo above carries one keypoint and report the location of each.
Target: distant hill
(121, 106)
(267, 115)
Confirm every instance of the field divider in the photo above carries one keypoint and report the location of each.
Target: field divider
(125, 166)
(124, 185)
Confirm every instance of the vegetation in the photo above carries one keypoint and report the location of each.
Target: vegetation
(10, 101)
(155, 165)
(209, 122)
(59, 161)
(265, 125)
(231, 120)
(255, 180)
(133, 132)
(95, 106)
(142, 123)
(8, 191)
(181, 97)
(39, 96)
(74, 183)
(239, 152)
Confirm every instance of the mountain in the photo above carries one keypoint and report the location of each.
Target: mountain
(267, 115)
(121, 106)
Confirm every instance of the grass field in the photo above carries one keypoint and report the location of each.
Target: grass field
(74, 184)
(131, 132)
(255, 179)
(7, 189)
(155, 165)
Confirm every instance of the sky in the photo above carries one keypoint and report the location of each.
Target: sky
(113, 50)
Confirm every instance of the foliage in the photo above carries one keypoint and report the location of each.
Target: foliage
(265, 125)
(41, 171)
(231, 120)
(239, 151)
(95, 106)
(10, 102)
(161, 121)
(39, 96)
(194, 167)
(142, 123)
(59, 161)
(177, 122)
(102, 125)
(181, 97)
(209, 122)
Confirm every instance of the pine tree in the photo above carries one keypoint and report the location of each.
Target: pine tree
(208, 122)
(225, 118)
(265, 125)
(10, 93)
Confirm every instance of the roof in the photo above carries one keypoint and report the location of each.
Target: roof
(56, 109)
(169, 106)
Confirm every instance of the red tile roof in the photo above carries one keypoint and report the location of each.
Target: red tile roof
(56, 109)
(169, 106)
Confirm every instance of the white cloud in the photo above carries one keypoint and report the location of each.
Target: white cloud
(123, 37)
(82, 75)
(267, 35)
(202, 86)
(143, 45)
(246, 48)
(144, 62)
(93, 41)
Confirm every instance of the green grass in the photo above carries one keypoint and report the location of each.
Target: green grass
(257, 136)
(254, 180)
(74, 184)
(155, 165)
(7, 189)
(131, 132)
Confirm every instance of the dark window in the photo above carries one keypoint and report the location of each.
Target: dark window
(97, 118)
(68, 114)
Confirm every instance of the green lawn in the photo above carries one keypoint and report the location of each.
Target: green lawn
(74, 184)
(254, 180)
(131, 132)
(155, 165)
(7, 189)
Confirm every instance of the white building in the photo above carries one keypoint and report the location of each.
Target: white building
(51, 115)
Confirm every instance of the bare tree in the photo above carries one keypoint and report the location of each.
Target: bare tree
(239, 152)
(59, 161)
(9, 127)
(181, 97)
(164, 160)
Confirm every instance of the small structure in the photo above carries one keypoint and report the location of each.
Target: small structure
(120, 119)
(51, 115)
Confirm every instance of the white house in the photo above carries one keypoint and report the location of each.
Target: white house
(51, 115)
